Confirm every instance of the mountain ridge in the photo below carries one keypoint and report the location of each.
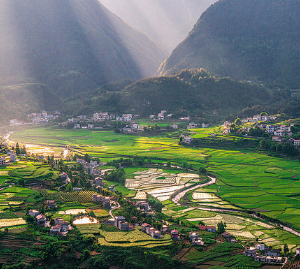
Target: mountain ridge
(246, 40)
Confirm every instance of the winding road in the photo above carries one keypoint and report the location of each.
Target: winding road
(213, 180)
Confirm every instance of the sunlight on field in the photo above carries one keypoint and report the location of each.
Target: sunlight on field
(11, 222)
(85, 220)
(159, 184)
(72, 211)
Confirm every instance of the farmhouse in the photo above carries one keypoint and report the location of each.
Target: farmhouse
(33, 213)
(227, 236)
(51, 204)
(198, 242)
(226, 130)
(55, 230)
(97, 198)
(106, 202)
(260, 247)
(211, 229)
(260, 258)
(156, 234)
(2, 161)
(192, 125)
(41, 219)
(272, 252)
(297, 143)
(193, 236)
(271, 259)
(250, 252)
(187, 139)
(175, 235)
(298, 251)
(13, 158)
(145, 226)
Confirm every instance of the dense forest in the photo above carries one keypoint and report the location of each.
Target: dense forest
(189, 92)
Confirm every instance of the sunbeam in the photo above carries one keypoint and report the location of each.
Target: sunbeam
(167, 22)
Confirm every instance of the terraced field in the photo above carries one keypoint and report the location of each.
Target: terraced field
(246, 179)
(159, 184)
(136, 238)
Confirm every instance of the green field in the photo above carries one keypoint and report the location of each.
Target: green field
(136, 238)
(247, 179)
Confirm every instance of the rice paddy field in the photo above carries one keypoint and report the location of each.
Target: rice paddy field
(159, 184)
(247, 179)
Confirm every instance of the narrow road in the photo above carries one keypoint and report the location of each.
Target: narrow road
(113, 208)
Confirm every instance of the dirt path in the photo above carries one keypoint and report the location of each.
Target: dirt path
(177, 198)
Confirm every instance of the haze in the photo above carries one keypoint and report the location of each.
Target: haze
(167, 22)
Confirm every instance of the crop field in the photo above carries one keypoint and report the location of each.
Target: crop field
(14, 196)
(246, 179)
(28, 171)
(241, 227)
(89, 228)
(136, 238)
(108, 145)
(83, 197)
(11, 222)
(159, 184)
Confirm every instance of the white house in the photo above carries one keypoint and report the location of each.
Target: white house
(260, 247)
(127, 117)
(77, 126)
(187, 139)
(297, 143)
(298, 251)
(192, 125)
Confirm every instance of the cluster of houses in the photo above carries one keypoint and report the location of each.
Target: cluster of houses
(132, 128)
(40, 218)
(90, 167)
(193, 125)
(145, 208)
(161, 116)
(262, 254)
(156, 234)
(121, 223)
(278, 132)
(194, 238)
(36, 118)
(61, 227)
(101, 117)
(106, 201)
(12, 159)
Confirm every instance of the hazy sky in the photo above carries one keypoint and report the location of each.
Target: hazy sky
(167, 22)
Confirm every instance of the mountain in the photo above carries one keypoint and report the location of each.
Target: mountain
(256, 40)
(167, 22)
(72, 45)
(189, 92)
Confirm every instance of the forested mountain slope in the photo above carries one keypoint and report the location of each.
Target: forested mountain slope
(255, 40)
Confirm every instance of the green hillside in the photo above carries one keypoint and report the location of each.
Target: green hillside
(192, 92)
(254, 40)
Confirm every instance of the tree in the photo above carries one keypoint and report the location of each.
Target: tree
(221, 227)
(238, 122)
(18, 149)
(286, 249)
(202, 171)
